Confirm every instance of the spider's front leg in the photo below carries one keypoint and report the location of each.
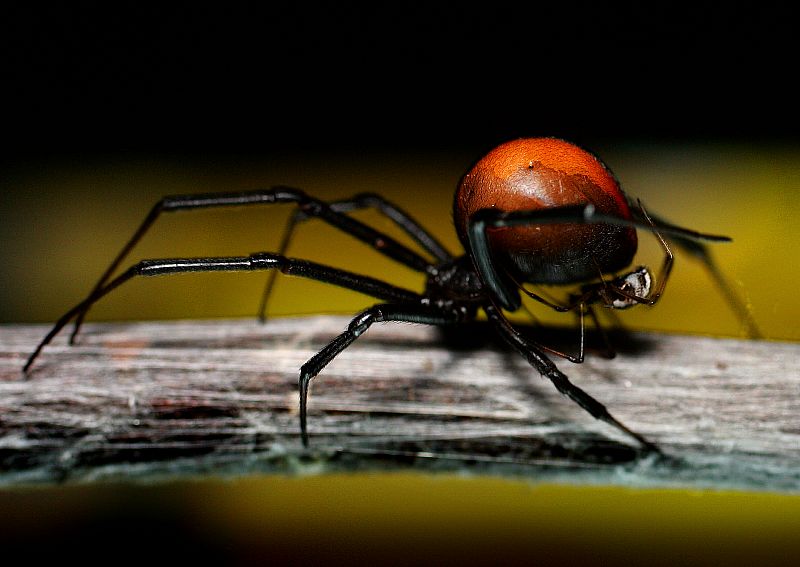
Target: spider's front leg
(703, 254)
(545, 366)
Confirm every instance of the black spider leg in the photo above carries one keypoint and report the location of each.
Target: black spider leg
(484, 219)
(309, 205)
(582, 303)
(400, 217)
(360, 201)
(575, 303)
(359, 324)
(589, 298)
(702, 253)
(561, 309)
(259, 261)
(545, 366)
(610, 352)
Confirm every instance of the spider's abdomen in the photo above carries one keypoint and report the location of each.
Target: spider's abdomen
(540, 173)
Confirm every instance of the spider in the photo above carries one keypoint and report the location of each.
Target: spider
(532, 210)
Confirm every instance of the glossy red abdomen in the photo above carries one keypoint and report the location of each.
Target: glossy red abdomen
(540, 173)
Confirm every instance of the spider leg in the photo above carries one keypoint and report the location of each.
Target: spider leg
(359, 325)
(585, 214)
(400, 217)
(254, 262)
(666, 267)
(288, 231)
(582, 305)
(543, 300)
(360, 201)
(610, 352)
(309, 205)
(702, 253)
(581, 337)
(579, 302)
(545, 366)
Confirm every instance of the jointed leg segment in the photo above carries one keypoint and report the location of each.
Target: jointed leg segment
(359, 325)
(261, 261)
(492, 218)
(401, 218)
(546, 367)
(361, 201)
(702, 253)
(308, 205)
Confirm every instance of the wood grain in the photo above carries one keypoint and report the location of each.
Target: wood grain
(157, 400)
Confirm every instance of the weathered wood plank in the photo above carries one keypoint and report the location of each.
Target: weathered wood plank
(154, 400)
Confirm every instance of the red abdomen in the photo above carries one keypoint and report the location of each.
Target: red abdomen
(540, 173)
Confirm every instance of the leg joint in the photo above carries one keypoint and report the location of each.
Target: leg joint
(363, 321)
(267, 260)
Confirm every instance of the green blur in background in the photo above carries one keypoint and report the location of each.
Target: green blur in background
(64, 220)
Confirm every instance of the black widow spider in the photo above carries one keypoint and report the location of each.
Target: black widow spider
(536, 210)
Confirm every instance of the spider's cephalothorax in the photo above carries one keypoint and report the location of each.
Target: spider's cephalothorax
(455, 283)
(536, 210)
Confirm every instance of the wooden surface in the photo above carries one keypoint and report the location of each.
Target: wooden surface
(165, 399)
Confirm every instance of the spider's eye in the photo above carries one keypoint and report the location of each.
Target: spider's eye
(637, 284)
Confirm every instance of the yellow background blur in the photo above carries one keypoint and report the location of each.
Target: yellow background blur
(63, 220)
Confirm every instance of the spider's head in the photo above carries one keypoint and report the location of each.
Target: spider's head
(626, 288)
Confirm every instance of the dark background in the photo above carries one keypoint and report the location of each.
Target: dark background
(210, 79)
